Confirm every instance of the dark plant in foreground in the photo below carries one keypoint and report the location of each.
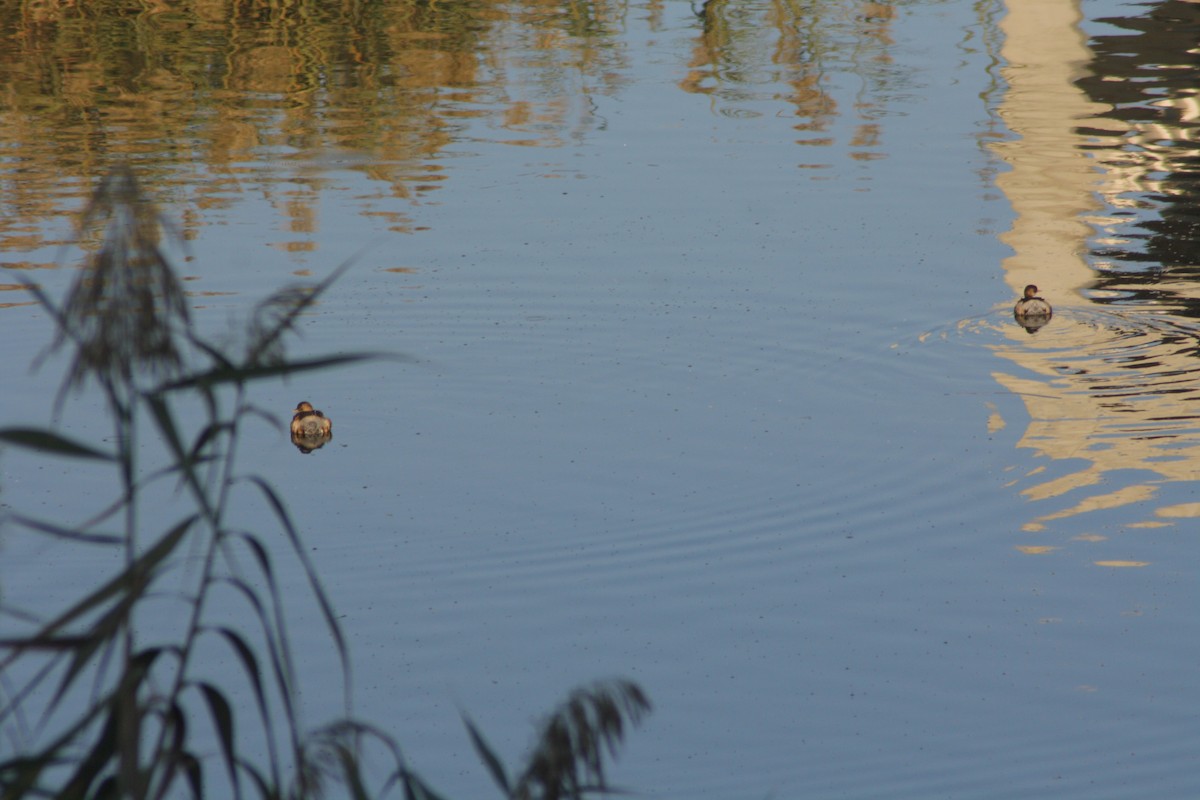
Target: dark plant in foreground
(94, 708)
(568, 759)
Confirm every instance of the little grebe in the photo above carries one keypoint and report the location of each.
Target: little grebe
(307, 421)
(1031, 305)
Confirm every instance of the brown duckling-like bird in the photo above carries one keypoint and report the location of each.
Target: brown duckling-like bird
(307, 421)
(1031, 305)
(1032, 312)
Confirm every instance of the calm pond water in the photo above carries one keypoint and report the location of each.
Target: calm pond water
(714, 381)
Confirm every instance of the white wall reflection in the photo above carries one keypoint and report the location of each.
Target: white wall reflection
(1111, 386)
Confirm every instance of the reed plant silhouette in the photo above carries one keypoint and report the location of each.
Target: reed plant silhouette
(152, 722)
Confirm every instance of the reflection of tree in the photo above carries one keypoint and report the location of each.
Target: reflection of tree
(545, 61)
(214, 98)
(257, 93)
(745, 53)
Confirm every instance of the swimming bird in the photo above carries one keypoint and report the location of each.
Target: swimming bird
(1031, 305)
(308, 422)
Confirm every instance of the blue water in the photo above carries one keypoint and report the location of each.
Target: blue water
(705, 391)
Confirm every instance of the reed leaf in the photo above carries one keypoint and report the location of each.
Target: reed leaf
(167, 762)
(212, 352)
(249, 665)
(265, 788)
(143, 566)
(276, 315)
(417, 789)
(193, 773)
(207, 434)
(137, 579)
(275, 637)
(102, 753)
(568, 759)
(279, 663)
(68, 533)
(279, 660)
(489, 757)
(310, 571)
(186, 466)
(222, 717)
(19, 776)
(166, 425)
(273, 623)
(351, 774)
(222, 374)
(44, 441)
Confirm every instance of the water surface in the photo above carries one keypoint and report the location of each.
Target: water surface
(714, 380)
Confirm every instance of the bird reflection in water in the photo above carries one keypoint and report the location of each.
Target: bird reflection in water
(311, 429)
(1032, 312)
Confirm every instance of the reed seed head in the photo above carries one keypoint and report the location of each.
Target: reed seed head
(126, 310)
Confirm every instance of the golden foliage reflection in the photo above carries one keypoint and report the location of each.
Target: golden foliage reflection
(244, 89)
(742, 58)
(213, 98)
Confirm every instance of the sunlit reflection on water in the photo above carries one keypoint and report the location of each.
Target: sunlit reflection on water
(665, 271)
(1111, 382)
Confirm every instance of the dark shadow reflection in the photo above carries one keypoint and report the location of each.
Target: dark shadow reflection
(1149, 148)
